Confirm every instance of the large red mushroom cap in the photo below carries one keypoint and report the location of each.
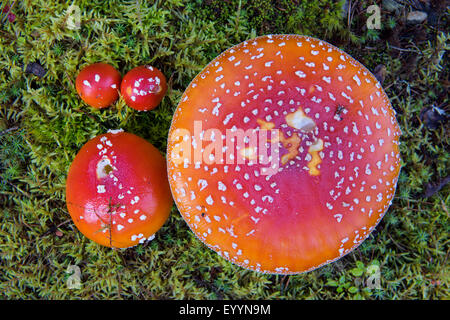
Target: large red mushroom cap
(117, 190)
(329, 184)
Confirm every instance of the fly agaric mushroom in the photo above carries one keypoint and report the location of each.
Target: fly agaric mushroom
(143, 88)
(98, 85)
(117, 190)
(335, 156)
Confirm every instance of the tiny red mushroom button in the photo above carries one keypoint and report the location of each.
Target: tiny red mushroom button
(329, 170)
(143, 88)
(98, 85)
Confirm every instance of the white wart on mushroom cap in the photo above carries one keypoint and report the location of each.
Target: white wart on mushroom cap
(338, 161)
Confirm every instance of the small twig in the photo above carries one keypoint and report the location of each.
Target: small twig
(352, 13)
(8, 130)
(401, 49)
(287, 283)
(388, 86)
(414, 200)
(63, 223)
(70, 80)
(397, 244)
(20, 190)
(349, 8)
(26, 224)
(283, 285)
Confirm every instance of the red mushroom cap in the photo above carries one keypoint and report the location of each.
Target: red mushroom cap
(335, 172)
(98, 85)
(143, 88)
(117, 190)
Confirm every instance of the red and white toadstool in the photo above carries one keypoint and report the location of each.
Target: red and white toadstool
(335, 172)
(143, 88)
(117, 190)
(98, 85)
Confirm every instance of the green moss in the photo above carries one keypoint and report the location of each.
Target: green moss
(44, 123)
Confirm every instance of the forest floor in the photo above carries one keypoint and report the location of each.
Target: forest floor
(43, 123)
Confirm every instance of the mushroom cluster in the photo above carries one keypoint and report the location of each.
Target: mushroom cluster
(142, 87)
(314, 185)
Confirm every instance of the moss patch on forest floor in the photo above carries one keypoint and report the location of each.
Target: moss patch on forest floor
(43, 123)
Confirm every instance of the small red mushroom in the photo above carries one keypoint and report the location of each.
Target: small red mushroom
(143, 88)
(117, 190)
(334, 166)
(98, 85)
